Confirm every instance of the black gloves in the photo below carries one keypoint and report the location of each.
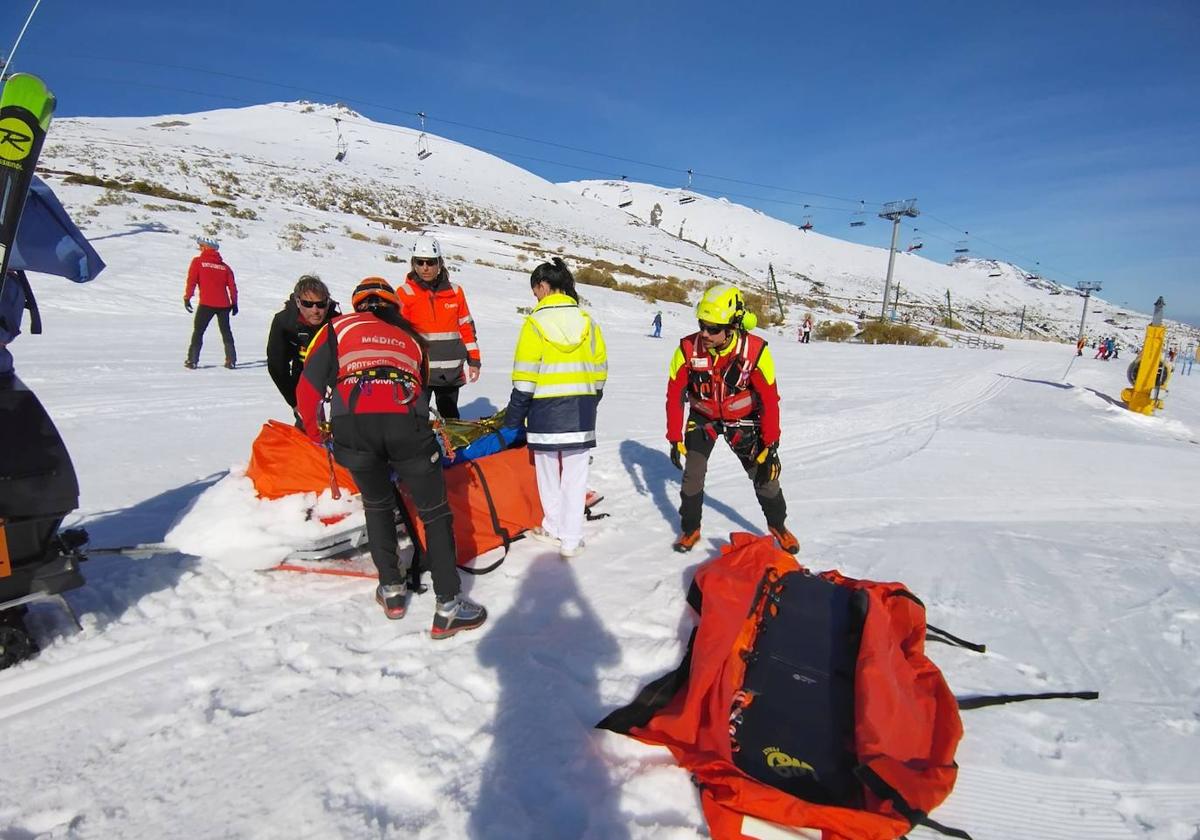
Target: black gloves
(678, 450)
(234, 310)
(187, 304)
(769, 467)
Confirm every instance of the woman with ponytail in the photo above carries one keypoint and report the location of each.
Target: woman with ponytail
(559, 371)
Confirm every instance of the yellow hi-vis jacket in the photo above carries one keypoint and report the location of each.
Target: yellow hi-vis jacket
(559, 371)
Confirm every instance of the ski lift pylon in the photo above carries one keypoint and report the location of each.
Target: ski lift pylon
(342, 147)
(422, 141)
(686, 198)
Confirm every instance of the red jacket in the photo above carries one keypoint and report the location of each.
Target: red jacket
(368, 365)
(215, 279)
(734, 384)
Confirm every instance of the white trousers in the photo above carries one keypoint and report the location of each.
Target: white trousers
(562, 485)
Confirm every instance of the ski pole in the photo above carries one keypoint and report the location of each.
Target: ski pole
(333, 485)
(326, 428)
(7, 67)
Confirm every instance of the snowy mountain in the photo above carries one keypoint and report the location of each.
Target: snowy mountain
(828, 270)
(203, 698)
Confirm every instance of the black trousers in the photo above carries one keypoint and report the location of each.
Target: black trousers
(447, 400)
(700, 438)
(204, 314)
(373, 447)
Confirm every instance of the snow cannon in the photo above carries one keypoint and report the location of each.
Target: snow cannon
(1153, 373)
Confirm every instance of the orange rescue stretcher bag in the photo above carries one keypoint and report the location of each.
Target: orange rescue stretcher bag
(805, 700)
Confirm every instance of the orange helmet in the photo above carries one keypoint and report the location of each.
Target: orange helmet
(374, 287)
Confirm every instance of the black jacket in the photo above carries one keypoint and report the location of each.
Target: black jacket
(287, 340)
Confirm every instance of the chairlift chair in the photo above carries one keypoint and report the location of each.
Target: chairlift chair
(962, 246)
(685, 198)
(342, 146)
(807, 225)
(423, 152)
(626, 197)
(914, 244)
(859, 217)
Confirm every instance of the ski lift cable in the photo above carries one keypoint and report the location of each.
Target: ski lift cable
(459, 124)
(9, 60)
(524, 138)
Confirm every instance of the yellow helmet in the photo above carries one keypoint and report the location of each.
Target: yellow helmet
(725, 305)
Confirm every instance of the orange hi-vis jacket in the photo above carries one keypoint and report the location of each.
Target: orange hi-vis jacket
(440, 314)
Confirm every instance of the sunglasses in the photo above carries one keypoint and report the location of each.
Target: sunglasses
(309, 304)
(421, 262)
(713, 329)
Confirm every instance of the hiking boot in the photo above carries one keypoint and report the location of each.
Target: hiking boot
(392, 598)
(568, 553)
(459, 613)
(189, 364)
(542, 535)
(687, 541)
(786, 539)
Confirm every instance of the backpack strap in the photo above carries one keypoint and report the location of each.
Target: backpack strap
(35, 316)
(500, 530)
(982, 700)
(652, 698)
(875, 783)
(937, 634)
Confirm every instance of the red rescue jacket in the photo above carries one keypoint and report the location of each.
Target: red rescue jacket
(726, 387)
(215, 279)
(368, 365)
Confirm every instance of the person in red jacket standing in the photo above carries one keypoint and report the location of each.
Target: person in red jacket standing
(726, 376)
(438, 310)
(218, 296)
(370, 369)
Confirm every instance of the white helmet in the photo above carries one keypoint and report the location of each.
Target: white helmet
(208, 242)
(427, 247)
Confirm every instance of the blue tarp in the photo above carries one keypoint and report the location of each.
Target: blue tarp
(48, 242)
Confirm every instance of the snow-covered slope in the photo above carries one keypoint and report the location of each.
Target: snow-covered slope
(823, 268)
(1025, 506)
(231, 165)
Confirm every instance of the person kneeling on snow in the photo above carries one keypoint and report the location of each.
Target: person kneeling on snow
(727, 377)
(372, 371)
(560, 368)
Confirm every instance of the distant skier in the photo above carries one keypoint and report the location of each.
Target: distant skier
(292, 329)
(438, 310)
(657, 324)
(1079, 345)
(374, 369)
(218, 296)
(806, 329)
(727, 377)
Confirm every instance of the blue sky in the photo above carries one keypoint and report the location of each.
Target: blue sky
(1062, 135)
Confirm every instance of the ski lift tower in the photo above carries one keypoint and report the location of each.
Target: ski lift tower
(1087, 287)
(894, 211)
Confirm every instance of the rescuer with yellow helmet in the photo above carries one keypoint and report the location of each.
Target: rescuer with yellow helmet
(727, 377)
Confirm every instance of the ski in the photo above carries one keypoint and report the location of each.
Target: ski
(26, 106)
